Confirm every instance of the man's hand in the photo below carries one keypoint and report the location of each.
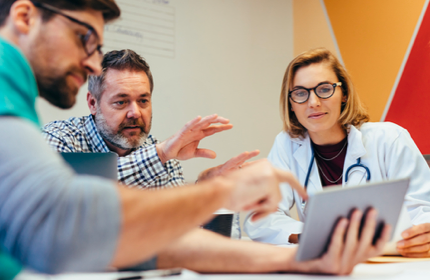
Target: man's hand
(184, 144)
(347, 247)
(232, 164)
(256, 188)
(416, 242)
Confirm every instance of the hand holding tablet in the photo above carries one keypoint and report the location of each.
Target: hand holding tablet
(331, 207)
(351, 243)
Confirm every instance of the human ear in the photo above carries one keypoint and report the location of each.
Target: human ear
(23, 15)
(344, 99)
(92, 103)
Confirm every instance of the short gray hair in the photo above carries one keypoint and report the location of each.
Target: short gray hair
(118, 60)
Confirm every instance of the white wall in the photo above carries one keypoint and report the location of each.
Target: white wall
(229, 57)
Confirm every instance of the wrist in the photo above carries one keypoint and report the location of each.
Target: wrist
(284, 260)
(160, 153)
(292, 265)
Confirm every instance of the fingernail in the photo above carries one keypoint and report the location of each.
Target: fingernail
(401, 244)
(405, 235)
(372, 215)
(357, 216)
(343, 223)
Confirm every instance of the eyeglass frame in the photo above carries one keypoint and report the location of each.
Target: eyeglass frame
(338, 84)
(84, 38)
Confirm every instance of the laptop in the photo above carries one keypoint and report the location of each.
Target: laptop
(97, 164)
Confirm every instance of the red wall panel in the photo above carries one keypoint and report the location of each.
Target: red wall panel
(411, 102)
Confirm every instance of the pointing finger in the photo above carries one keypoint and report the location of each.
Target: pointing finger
(288, 177)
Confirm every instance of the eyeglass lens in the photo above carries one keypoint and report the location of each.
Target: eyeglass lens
(323, 91)
(91, 43)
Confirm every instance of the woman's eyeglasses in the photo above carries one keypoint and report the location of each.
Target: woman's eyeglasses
(323, 90)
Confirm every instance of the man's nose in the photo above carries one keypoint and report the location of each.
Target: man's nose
(133, 111)
(93, 64)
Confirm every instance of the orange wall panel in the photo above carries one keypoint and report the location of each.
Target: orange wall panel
(373, 37)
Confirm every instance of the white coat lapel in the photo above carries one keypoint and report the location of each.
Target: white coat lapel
(303, 156)
(354, 151)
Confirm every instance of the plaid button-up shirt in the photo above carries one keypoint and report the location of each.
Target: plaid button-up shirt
(141, 168)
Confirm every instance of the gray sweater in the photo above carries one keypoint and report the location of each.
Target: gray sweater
(51, 219)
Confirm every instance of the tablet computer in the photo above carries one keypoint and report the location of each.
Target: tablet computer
(97, 164)
(324, 209)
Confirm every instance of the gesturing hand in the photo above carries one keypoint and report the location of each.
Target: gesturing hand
(230, 165)
(184, 144)
(416, 242)
(256, 188)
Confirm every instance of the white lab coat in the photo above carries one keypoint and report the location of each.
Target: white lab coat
(385, 148)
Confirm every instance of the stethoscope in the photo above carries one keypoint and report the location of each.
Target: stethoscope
(355, 165)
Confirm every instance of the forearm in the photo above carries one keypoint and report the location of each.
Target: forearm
(204, 251)
(151, 220)
(52, 220)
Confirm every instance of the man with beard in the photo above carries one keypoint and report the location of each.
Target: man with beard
(53, 220)
(120, 101)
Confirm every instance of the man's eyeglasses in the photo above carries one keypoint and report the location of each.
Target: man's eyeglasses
(90, 41)
(323, 90)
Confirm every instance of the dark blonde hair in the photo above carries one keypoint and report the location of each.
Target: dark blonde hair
(352, 111)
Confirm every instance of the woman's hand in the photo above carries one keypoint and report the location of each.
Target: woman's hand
(416, 242)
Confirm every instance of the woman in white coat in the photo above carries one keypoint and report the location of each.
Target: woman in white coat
(326, 131)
